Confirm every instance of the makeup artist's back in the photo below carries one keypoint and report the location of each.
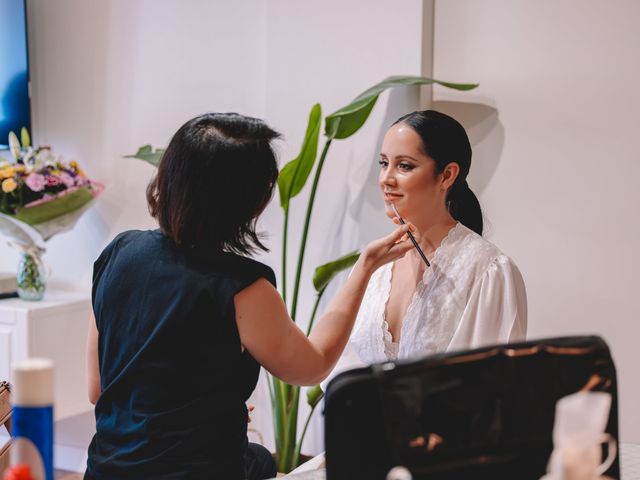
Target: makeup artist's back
(174, 378)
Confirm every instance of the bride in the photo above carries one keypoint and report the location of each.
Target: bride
(472, 294)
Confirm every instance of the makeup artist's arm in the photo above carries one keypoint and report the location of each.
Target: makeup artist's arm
(278, 344)
(93, 370)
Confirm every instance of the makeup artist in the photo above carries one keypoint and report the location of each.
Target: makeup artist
(183, 319)
(472, 295)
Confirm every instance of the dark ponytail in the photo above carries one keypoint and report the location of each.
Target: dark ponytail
(464, 206)
(446, 141)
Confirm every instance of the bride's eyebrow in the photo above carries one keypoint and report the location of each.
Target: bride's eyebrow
(399, 157)
(406, 157)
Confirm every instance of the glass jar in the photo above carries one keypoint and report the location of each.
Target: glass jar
(31, 276)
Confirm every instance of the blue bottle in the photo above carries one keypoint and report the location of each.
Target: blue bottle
(32, 419)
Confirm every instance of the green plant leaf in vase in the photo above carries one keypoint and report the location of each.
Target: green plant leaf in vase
(314, 395)
(294, 174)
(346, 121)
(148, 154)
(325, 273)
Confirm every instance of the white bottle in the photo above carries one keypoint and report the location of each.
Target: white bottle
(32, 418)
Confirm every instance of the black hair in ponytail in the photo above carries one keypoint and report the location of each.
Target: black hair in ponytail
(445, 141)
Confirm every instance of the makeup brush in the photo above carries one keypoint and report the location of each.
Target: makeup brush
(413, 240)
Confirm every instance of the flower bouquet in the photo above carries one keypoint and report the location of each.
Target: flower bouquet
(40, 196)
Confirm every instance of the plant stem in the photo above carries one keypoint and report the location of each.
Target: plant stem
(283, 390)
(296, 453)
(284, 254)
(286, 388)
(315, 309)
(270, 385)
(279, 419)
(288, 459)
(303, 241)
(289, 443)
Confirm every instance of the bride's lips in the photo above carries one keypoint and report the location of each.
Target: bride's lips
(391, 197)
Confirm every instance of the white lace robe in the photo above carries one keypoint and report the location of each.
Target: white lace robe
(472, 295)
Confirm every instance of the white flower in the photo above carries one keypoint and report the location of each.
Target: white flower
(28, 158)
(47, 158)
(14, 145)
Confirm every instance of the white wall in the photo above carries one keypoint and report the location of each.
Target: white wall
(555, 122)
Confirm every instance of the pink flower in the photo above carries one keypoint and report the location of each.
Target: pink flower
(35, 182)
(67, 180)
(81, 181)
(52, 181)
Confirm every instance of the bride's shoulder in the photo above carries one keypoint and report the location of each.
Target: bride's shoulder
(476, 246)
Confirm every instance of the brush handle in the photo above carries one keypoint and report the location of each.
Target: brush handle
(413, 240)
(415, 244)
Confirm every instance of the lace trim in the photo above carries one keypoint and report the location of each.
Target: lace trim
(417, 293)
(449, 237)
(391, 348)
(387, 338)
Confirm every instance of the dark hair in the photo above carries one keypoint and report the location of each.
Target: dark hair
(445, 141)
(215, 178)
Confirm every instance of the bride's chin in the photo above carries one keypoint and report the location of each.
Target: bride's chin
(388, 212)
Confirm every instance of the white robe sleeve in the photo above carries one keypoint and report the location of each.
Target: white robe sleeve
(496, 311)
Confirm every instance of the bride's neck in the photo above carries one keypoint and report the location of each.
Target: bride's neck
(433, 230)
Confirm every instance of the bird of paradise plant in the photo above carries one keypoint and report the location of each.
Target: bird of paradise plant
(339, 125)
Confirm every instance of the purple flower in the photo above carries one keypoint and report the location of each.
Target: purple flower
(67, 180)
(35, 182)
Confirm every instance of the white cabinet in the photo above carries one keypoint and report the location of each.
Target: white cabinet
(55, 328)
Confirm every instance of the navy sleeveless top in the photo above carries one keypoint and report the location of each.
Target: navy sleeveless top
(173, 376)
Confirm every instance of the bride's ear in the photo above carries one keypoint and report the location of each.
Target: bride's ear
(449, 175)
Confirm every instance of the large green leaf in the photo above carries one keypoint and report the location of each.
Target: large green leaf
(54, 208)
(294, 174)
(148, 154)
(348, 120)
(325, 273)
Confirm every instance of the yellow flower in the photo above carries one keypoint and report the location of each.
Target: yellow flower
(19, 168)
(73, 164)
(9, 185)
(7, 172)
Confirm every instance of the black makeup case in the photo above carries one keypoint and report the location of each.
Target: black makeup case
(482, 413)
